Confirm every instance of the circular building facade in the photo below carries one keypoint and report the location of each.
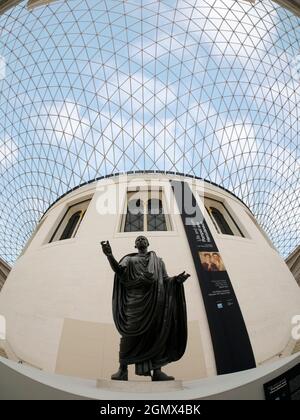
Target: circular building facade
(57, 298)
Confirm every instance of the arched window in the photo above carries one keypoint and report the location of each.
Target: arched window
(71, 226)
(71, 222)
(221, 221)
(135, 216)
(156, 220)
(145, 212)
(224, 221)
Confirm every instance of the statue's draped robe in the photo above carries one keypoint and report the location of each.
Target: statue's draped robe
(149, 311)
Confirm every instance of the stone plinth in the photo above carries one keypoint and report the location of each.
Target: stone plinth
(140, 386)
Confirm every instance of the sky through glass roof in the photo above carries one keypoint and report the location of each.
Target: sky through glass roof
(208, 88)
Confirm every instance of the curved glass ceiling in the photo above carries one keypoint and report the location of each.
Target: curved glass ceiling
(208, 88)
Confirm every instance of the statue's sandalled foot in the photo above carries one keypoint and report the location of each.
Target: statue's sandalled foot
(158, 375)
(121, 375)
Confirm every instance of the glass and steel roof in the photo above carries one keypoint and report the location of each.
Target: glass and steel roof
(210, 88)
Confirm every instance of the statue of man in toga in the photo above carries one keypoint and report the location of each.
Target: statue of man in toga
(149, 311)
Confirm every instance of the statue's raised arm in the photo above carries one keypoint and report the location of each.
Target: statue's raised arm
(106, 248)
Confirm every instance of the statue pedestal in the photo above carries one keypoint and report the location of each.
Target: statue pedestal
(140, 386)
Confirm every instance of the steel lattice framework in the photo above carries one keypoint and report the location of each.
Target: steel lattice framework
(205, 87)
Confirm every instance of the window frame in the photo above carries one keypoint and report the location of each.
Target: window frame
(71, 226)
(227, 213)
(142, 215)
(145, 194)
(155, 216)
(78, 224)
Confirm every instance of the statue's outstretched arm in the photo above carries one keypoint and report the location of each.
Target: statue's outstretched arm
(106, 248)
(181, 278)
(117, 268)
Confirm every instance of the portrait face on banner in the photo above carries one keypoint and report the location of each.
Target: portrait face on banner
(212, 261)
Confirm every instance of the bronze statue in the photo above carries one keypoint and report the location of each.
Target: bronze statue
(149, 311)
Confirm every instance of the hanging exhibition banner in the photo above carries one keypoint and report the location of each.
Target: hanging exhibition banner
(230, 339)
